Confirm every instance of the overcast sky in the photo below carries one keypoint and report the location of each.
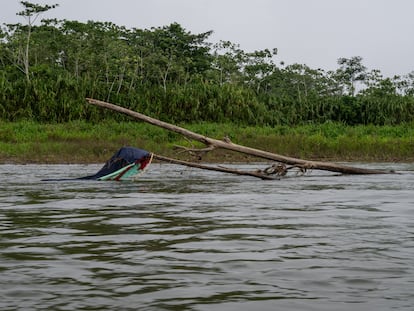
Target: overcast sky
(311, 32)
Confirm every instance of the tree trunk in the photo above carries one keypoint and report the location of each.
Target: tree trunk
(26, 52)
(317, 165)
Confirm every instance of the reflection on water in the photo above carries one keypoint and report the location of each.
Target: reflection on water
(180, 239)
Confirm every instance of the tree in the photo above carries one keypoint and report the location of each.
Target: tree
(227, 61)
(259, 67)
(177, 54)
(405, 84)
(31, 13)
(351, 71)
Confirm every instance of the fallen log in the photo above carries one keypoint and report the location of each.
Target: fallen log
(227, 144)
(222, 169)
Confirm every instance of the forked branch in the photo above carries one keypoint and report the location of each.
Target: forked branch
(214, 143)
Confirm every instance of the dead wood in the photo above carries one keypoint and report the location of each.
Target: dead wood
(196, 152)
(227, 144)
(222, 169)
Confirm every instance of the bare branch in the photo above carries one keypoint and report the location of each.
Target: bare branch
(197, 152)
(214, 168)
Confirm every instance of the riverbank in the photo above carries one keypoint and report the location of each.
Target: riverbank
(83, 142)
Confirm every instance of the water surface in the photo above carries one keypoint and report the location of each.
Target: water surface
(187, 239)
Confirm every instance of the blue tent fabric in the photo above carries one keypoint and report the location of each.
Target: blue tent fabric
(123, 157)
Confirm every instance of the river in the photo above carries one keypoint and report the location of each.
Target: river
(188, 239)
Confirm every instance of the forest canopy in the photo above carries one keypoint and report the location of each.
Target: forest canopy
(49, 66)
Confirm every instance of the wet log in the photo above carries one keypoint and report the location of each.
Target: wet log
(227, 144)
(222, 169)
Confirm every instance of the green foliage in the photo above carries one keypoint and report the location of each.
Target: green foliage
(83, 141)
(48, 68)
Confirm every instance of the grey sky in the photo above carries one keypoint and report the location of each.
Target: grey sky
(311, 32)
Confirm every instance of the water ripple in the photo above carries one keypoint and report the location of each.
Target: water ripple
(189, 240)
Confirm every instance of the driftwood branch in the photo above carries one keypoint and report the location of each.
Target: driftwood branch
(316, 165)
(198, 152)
(222, 169)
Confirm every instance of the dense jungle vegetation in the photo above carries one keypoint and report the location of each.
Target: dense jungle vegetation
(48, 67)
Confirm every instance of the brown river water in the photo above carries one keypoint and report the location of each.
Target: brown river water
(188, 239)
